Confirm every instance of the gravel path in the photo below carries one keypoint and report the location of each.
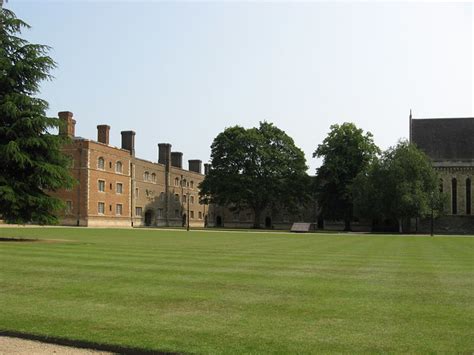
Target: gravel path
(10, 345)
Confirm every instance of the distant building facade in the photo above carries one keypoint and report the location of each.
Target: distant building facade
(115, 188)
(449, 142)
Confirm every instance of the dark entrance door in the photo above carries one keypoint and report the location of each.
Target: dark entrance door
(268, 222)
(148, 217)
(218, 221)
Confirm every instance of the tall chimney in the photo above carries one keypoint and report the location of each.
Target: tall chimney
(164, 153)
(103, 131)
(207, 167)
(177, 159)
(67, 125)
(128, 141)
(195, 165)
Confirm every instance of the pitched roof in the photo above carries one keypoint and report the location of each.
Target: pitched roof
(444, 138)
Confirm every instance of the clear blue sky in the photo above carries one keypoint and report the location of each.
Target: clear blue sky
(180, 72)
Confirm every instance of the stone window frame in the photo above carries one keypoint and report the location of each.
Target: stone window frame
(468, 195)
(117, 184)
(118, 167)
(99, 185)
(101, 211)
(454, 196)
(118, 209)
(146, 176)
(153, 177)
(69, 207)
(139, 211)
(191, 214)
(101, 163)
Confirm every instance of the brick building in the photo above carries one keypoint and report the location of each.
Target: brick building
(115, 188)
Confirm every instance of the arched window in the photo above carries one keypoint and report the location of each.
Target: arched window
(183, 182)
(101, 163)
(454, 196)
(191, 184)
(153, 177)
(176, 182)
(118, 167)
(468, 196)
(146, 176)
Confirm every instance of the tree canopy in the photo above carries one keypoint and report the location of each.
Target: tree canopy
(31, 160)
(399, 186)
(346, 151)
(255, 168)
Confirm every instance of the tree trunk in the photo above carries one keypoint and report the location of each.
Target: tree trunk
(256, 221)
(347, 225)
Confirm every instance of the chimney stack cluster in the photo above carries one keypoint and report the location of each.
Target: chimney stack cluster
(165, 155)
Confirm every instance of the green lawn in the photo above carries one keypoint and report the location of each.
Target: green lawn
(240, 292)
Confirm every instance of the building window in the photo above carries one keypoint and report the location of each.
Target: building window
(153, 177)
(191, 199)
(101, 185)
(162, 196)
(176, 213)
(118, 209)
(146, 176)
(101, 208)
(249, 217)
(176, 182)
(101, 163)
(441, 185)
(136, 192)
(191, 213)
(191, 184)
(468, 196)
(138, 211)
(68, 207)
(118, 167)
(160, 213)
(236, 216)
(119, 188)
(184, 198)
(176, 197)
(200, 215)
(454, 195)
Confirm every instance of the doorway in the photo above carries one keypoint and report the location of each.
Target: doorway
(148, 218)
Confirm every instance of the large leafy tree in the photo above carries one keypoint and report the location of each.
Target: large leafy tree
(399, 186)
(346, 151)
(31, 160)
(255, 168)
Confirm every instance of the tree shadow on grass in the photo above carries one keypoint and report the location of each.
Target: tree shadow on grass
(3, 239)
(81, 344)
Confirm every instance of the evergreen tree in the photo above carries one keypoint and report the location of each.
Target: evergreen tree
(32, 163)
